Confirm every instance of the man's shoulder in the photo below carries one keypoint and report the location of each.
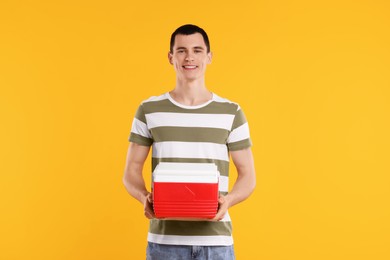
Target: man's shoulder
(226, 102)
(155, 98)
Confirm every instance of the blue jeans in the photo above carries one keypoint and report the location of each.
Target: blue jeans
(180, 252)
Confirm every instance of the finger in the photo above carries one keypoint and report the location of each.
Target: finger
(219, 215)
(150, 198)
(216, 218)
(149, 215)
(149, 209)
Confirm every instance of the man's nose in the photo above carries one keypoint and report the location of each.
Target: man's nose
(189, 57)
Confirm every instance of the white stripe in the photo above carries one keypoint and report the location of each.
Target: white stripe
(140, 128)
(191, 240)
(226, 218)
(157, 119)
(199, 150)
(222, 100)
(223, 183)
(155, 98)
(238, 134)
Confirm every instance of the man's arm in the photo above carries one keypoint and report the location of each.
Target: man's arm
(133, 179)
(245, 183)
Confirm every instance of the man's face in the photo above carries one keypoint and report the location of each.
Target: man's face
(190, 56)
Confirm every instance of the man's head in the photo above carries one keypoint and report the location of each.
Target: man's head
(190, 52)
(189, 29)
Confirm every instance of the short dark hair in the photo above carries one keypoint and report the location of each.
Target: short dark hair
(189, 29)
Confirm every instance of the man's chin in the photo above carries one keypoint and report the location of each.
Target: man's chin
(190, 79)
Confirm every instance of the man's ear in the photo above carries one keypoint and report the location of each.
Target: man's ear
(210, 56)
(170, 58)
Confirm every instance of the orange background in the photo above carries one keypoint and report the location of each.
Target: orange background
(312, 77)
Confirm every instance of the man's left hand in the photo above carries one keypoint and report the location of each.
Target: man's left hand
(223, 205)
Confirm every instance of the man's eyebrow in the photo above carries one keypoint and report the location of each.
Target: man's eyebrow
(184, 48)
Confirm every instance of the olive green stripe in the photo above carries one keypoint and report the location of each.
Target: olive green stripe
(239, 119)
(190, 134)
(140, 115)
(190, 228)
(240, 145)
(139, 139)
(166, 105)
(222, 166)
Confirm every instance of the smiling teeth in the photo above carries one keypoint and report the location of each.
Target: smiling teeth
(190, 67)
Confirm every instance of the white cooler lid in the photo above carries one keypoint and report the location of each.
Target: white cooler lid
(186, 166)
(186, 172)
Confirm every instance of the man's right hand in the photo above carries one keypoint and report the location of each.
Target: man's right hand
(148, 206)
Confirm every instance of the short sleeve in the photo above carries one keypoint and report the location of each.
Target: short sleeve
(140, 133)
(239, 136)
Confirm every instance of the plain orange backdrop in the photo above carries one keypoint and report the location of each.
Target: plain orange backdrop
(312, 77)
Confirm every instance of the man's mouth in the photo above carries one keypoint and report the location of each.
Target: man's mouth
(189, 67)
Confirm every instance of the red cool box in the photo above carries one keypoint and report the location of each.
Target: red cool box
(185, 190)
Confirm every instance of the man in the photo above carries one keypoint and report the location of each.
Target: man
(190, 124)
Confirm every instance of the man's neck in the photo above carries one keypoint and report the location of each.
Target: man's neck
(191, 93)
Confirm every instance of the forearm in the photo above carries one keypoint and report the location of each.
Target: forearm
(134, 183)
(246, 180)
(243, 187)
(132, 178)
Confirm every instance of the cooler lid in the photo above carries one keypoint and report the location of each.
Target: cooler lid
(186, 172)
(188, 167)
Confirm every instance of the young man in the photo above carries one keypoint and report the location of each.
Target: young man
(190, 124)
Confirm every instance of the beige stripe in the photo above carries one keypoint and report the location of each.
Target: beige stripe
(190, 134)
(223, 166)
(190, 228)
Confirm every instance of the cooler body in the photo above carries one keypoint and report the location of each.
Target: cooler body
(185, 190)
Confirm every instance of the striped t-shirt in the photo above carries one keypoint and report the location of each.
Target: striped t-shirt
(192, 134)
